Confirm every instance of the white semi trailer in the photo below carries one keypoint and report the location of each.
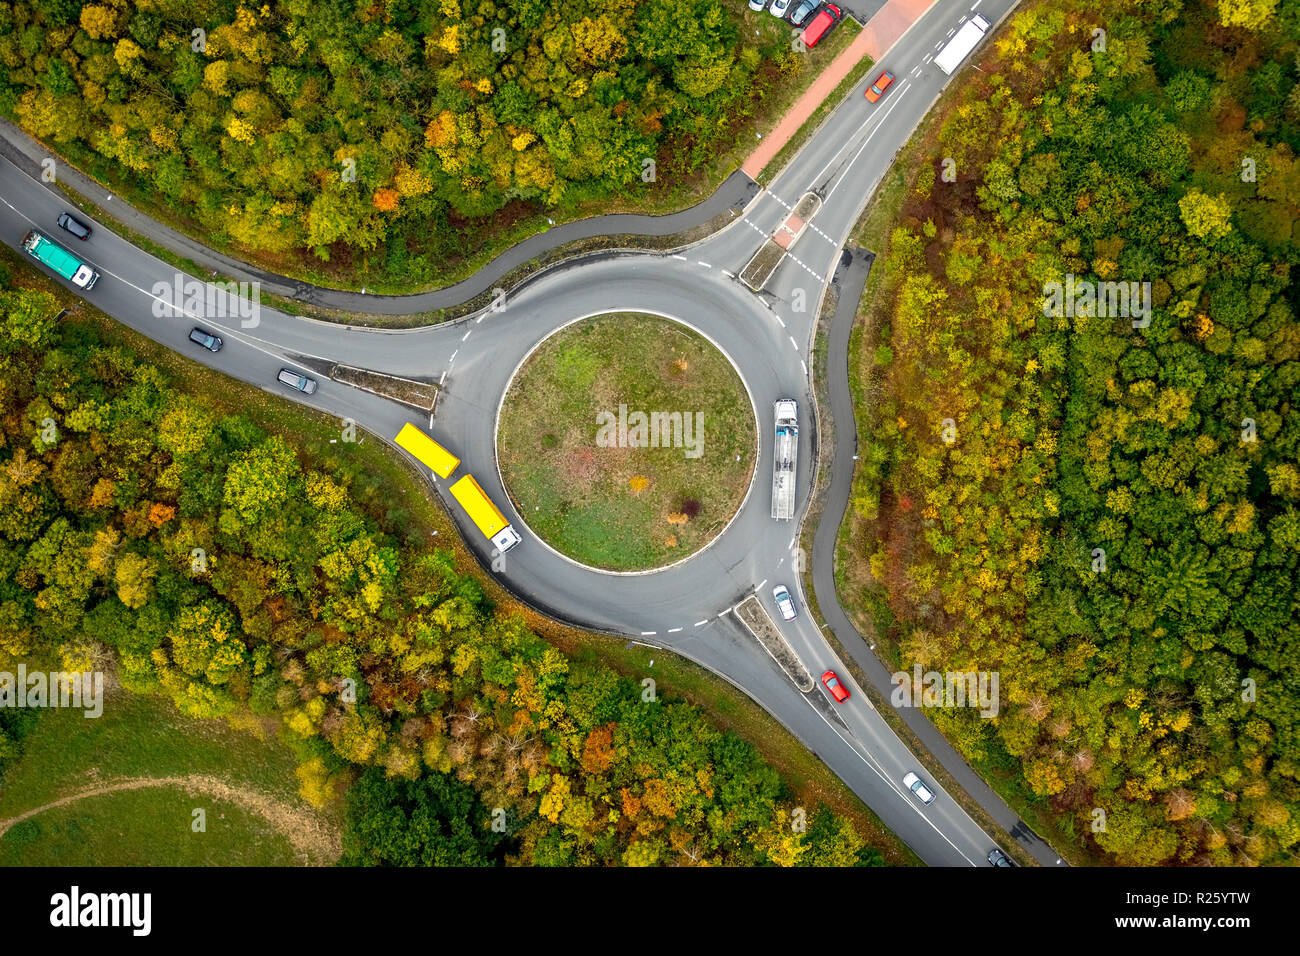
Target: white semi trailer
(959, 47)
(786, 415)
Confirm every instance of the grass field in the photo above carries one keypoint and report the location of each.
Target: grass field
(119, 790)
(598, 499)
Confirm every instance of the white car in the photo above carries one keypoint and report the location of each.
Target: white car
(779, 7)
(757, 5)
(912, 782)
(784, 603)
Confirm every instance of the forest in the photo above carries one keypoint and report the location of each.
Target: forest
(1105, 512)
(192, 554)
(347, 126)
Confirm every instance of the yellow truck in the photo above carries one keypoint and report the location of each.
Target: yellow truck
(485, 514)
(427, 450)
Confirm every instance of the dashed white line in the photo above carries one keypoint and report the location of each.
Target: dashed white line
(805, 366)
(761, 583)
(440, 381)
(927, 58)
(649, 633)
(702, 623)
(794, 343)
(729, 275)
(478, 320)
(673, 630)
(952, 31)
(977, 3)
(703, 263)
(778, 318)
(675, 256)
(466, 335)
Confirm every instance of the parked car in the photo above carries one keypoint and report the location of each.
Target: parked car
(877, 89)
(998, 858)
(209, 341)
(821, 24)
(835, 687)
(784, 603)
(301, 382)
(757, 5)
(923, 793)
(779, 8)
(801, 12)
(71, 224)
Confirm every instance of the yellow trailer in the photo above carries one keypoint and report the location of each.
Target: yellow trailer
(427, 450)
(485, 514)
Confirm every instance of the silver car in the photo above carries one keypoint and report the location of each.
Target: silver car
(912, 782)
(779, 7)
(301, 382)
(784, 603)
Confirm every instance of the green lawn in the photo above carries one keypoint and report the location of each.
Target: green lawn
(140, 738)
(149, 827)
(595, 497)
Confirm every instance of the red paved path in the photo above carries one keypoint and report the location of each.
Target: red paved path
(880, 33)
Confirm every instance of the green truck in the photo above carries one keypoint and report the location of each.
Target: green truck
(60, 261)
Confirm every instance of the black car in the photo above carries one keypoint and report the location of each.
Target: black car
(998, 858)
(209, 341)
(74, 226)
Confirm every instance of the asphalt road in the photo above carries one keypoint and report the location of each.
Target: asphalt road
(686, 608)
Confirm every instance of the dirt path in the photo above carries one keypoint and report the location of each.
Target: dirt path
(314, 843)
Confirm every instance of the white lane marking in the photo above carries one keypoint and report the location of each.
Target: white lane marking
(927, 58)
(805, 366)
(804, 266)
(431, 413)
(673, 630)
(676, 256)
(729, 275)
(902, 92)
(703, 263)
(762, 582)
(794, 343)
(778, 318)
(478, 320)
(781, 562)
(779, 199)
(727, 611)
(939, 44)
(977, 3)
(440, 381)
(466, 335)
(453, 357)
(702, 623)
(954, 29)
(790, 545)
(649, 633)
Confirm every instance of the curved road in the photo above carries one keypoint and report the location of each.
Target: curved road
(768, 335)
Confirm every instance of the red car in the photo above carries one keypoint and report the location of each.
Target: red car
(877, 89)
(835, 687)
(827, 17)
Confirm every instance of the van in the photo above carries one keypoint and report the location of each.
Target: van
(301, 382)
(209, 341)
(827, 17)
(75, 226)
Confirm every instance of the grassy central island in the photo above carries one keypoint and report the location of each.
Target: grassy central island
(627, 441)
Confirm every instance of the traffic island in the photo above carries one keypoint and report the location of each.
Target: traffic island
(421, 395)
(760, 268)
(627, 442)
(755, 619)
